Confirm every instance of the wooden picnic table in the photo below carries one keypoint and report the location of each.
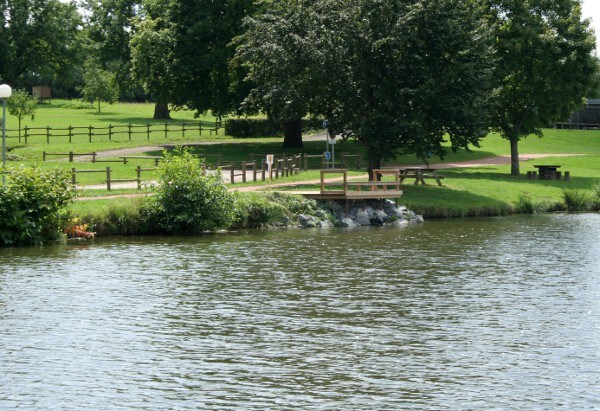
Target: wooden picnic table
(419, 173)
(548, 171)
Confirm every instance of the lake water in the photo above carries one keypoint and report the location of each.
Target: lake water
(499, 313)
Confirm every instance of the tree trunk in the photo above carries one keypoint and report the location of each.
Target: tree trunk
(514, 157)
(98, 105)
(161, 112)
(373, 165)
(292, 134)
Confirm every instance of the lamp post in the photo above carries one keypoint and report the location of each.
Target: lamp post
(5, 92)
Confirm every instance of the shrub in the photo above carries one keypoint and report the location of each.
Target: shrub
(576, 200)
(524, 205)
(33, 206)
(596, 196)
(271, 209)
(187, 201)
(121, 219)
(79, 105)
(255, 211)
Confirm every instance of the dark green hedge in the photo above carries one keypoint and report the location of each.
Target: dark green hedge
(259, 127)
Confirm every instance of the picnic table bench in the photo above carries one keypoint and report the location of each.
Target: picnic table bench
(419, 173)
(548, 172)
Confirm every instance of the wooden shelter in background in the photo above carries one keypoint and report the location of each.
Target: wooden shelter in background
(586, 118)
(42, 93)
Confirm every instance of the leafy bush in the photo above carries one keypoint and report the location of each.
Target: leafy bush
(79, 105)
(596, 196)
(33, 206)
(187, 201)
(257, 210)
(524, 205)
(262, 127)
(121, 219)
(576, 200)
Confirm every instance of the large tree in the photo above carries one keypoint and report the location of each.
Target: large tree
(38, 41)
(544, 66)
(109, 29)
(181, 52)
(399, 76)
(152, 54)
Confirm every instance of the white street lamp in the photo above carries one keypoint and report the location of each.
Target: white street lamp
(5, 92)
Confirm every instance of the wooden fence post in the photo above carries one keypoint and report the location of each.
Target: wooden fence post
(147, 131)
(70, 134)
(244, 172)
(90, 133)
(110, 132)
(183, 130)
(70, 156)
(129, 130)
(263, 168)
(48, 134)
(74, 176)
(139, 177)
(108, 179)
(43, 156)
(232, 174)
(26, 128)
(254, 170)
(199, 129)
(166, 129)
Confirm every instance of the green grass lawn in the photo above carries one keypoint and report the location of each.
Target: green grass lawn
(466, 191)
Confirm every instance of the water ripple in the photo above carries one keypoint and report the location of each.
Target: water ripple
(469, 314)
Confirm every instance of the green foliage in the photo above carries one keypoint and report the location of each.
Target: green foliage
(544, 65)
(596, 196)
(152, 48)
(576, 200)
(78, 105)
(257, 210)
(21, 104)
(38, 39)
(397, 76)
(181, 52)
(186, 200)
(100, 85)
(120, 219)
(32, 206)
(524, 205)
(108, 27)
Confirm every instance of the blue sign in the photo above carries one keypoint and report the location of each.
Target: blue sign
(326, 124)
(328, 155)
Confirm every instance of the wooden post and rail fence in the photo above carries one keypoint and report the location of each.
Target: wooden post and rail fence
(96, 133)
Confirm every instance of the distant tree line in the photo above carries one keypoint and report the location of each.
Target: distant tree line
(398, 76)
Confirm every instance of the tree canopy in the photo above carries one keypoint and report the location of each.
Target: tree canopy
(399, 76)
(38, 41)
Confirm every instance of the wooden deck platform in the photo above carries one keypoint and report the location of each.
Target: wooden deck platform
(376, 190)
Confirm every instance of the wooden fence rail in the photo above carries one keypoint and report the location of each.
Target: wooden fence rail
(109, 178)
(95, 133)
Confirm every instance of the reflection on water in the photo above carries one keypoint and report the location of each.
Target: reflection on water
(461, 314)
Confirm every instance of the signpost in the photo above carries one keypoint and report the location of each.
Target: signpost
(269, 160)
(329, 155)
